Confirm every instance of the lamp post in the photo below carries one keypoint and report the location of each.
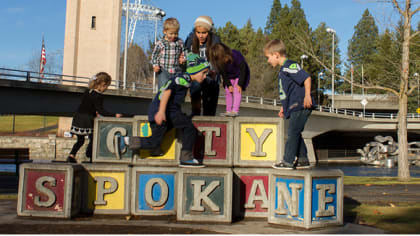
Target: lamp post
(320, 75)
(303, 57)
(416, 75)
(332, 31)
(161, 14)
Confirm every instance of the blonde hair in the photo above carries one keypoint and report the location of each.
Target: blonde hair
(99, 79)
(275, 45)
(171, 23)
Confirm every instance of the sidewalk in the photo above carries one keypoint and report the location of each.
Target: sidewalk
(10, 223)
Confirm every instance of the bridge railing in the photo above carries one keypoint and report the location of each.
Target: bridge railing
(31, 76)
(49, 78)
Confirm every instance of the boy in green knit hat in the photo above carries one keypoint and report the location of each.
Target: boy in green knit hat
(165, 113)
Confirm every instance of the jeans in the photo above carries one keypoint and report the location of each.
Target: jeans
(163, 76)
(208, 92)
(295, 145)
(178, 121)
(233, 100)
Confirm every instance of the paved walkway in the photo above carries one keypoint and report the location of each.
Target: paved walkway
(10, 223)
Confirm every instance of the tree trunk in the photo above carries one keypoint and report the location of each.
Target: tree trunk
(403, 167)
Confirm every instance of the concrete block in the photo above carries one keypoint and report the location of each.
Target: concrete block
(106, 189)
(105, 143)
(154, 191)
(306, 198)
(49, 190)
(205, 195)
(259, 142)
(251, 192)
(215, 146)
(143, 157)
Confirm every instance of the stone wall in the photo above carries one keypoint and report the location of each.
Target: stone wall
(44, 148)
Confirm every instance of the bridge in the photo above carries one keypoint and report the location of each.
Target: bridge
(23, 93)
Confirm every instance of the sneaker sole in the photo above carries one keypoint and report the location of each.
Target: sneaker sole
(282, 168)
(303, 167)
(191, 166)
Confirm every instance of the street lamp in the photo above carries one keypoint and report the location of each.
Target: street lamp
(332, 31)
(320, 75)
(416, 75)
(303, 57)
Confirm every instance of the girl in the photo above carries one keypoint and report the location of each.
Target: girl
(235, 72)
(91, 106)
(199, 42)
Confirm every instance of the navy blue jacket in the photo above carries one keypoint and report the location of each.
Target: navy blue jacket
(178, 84)
(291, 87)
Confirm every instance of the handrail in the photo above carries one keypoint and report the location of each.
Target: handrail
(58, 79)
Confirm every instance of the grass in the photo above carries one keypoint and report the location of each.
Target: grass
(356, 180)
(393, 219)
(25, 122)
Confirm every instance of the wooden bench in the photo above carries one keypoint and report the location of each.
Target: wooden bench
(14, 156)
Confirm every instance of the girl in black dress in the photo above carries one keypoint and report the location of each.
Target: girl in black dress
(91, 105)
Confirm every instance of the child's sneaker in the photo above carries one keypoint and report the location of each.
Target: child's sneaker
(283, 166)
(233, 114)
(225, 113)
(303, 165)
(191, 163)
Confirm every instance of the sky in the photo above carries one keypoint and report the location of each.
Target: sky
(25, 22)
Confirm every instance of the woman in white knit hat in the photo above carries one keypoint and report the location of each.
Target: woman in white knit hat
(199, 42)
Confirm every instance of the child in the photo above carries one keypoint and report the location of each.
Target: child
(199, 42)
(168, 52)
(295, 95)
(165, 113)
(235, 72)
(91, 105)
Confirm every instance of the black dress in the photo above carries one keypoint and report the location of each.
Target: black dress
(92, 102)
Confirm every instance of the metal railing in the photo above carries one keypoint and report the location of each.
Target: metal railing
(29, 76)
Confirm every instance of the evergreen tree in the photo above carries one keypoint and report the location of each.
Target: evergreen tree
(273, 18)
(246, 36)
(362, 46)
(229, 35)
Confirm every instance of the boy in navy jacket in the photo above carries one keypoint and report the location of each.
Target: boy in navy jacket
(295, 95)
(165, 113)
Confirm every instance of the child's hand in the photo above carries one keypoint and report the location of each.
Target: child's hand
(182, 59)
(230, 89)
(307, 102)
(281, 115)
(156, 69)
(239, 88)
(118, 115)
(160, 117)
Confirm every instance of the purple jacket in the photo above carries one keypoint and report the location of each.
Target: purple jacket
(237, 69)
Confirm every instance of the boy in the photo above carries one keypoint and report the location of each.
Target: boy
(168, 52)
(165, 113)
(295, 95)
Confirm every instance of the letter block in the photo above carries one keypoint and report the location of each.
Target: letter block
(215, 145)
(154, 191)
(259, 142)
(49, 190)
(168, 146)
(205, 195)
(251, 192)
(105, 140)
(106, 189)
(306, 198)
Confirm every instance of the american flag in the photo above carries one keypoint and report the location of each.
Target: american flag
(43, 59)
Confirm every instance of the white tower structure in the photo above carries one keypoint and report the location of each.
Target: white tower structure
(139, 10)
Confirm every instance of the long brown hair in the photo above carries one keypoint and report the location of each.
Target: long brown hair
(98, 79)
(220, 55)
(196, 43)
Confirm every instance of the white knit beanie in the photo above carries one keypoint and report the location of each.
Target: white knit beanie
(204, 21)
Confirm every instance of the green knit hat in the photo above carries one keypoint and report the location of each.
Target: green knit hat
(195, 63)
